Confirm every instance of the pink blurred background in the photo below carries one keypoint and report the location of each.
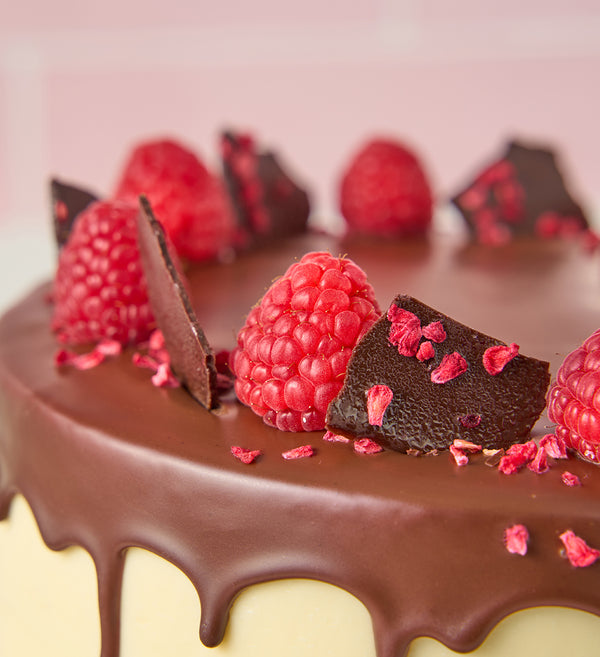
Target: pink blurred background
(81, 82)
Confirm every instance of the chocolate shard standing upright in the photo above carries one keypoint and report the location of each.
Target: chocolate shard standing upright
(418, 380)
(268, 203)
(191, 357)
(67, 202)
(521, 193)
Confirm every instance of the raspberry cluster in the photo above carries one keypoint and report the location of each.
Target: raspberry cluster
(385, 191)
(291, 354)
(189, 201)
(574, 399)
(99, 288)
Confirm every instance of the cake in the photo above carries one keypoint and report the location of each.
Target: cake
(157, 532)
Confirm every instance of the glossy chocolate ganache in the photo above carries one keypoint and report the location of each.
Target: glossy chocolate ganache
(108, 461)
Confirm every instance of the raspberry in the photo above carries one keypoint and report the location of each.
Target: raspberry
(385, 191)
(99, 288)
(189, 201)
(574, 399)
(291, 355)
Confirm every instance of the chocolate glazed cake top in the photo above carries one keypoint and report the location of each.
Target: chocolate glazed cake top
(429, 557)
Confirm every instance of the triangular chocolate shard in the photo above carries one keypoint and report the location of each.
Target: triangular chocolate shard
(521, 193)
(440, 393)
(67, 202)
(269, 205)
(192, 358)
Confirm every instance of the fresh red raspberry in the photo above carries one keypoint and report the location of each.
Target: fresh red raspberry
(99, 288)
(189, 201)
(574, 399)
(291, 355)
(385, 191)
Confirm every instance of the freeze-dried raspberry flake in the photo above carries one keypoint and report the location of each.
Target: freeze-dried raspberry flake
(425, 351)
(405, 331)
(86, 361)
(555, 447)
(244, 455)
(302, 452)
(452, 366)
(332, 437)
(517, 456)
(367, 446)
(539, 464)
(460, 456)
(378, 399)
(470, 421)
(435, 332)
(496, 358)
(570, 479)
(579, 553)
(516, 539)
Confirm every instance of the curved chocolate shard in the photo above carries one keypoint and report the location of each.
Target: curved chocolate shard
(192, 358)
(67, 202)
(522, 193)
(429, 410)
(269, 205)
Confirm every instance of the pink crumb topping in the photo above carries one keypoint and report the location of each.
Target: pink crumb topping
(435, 332)
(425, 351)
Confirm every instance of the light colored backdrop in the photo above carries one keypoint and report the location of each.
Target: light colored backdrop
(81, 81)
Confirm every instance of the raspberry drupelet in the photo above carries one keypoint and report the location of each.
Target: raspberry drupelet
(99, 288)
(291, 355)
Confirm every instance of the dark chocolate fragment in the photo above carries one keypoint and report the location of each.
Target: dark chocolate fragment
(268, 203)
(494, 411)
(67, 202)
(521, 193)
(192, 358)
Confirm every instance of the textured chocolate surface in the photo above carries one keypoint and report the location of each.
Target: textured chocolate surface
(424, 415)
(191, 357)
(67, 202)
(418, 540)
(269, 204)
(524, 192)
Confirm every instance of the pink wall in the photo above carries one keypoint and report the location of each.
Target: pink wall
(81, 82)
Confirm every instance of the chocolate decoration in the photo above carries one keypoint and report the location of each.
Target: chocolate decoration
(67, 202)
(521, 193)
(492, 411)
(269, 205)
(418, 540)
(191, 357)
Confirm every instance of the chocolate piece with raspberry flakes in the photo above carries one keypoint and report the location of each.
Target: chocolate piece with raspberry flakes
(431, 398)
(191, 357)
(67, 202)
(521, 193)
(268, 203)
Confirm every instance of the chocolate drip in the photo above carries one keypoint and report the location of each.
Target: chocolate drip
(418, 540)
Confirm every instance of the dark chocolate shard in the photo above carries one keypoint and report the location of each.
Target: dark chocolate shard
(67, 202)
(523, 193)
(425, 415)
(192, 358)
(269, 205)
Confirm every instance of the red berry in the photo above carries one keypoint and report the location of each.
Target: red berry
(99, 288)
(574, 399)
(292, 353)
(189, 201)
(385, 191)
